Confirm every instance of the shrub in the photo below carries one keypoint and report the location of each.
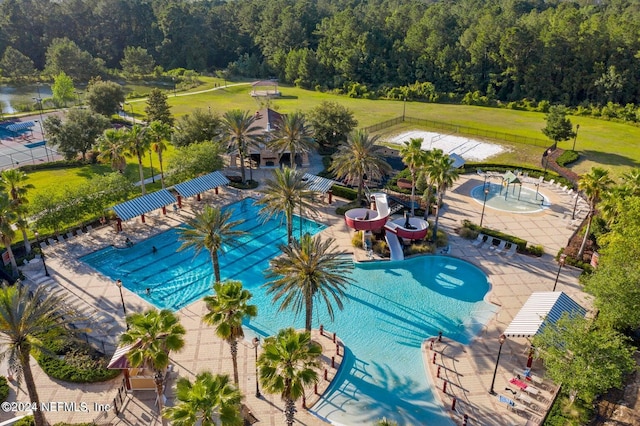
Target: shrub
(567, 157)
(522, 244)
(468, 233)
(536, 250)
(4, 389)
(342, 209)
(418, 248)
(25, 421)
(344, 192)
(380, 247)
(356, 240)
(250, 184)
(72, 360)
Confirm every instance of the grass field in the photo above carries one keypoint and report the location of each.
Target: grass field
(605, 143)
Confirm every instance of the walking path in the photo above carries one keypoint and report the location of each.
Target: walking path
(513, 280)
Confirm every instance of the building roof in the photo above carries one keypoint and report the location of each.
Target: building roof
(267, 119)
(317, 183)
(541, 306)
(201, 184)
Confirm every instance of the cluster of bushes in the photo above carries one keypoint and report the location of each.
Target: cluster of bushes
(4, 389)
(344, 192)
(73, 360)
(29, 421)
(567, 157)
(471, 231)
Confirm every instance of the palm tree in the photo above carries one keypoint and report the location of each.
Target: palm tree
(283, 194)
(25, 317)
(153, 334)
(308, 269)
(414, 157)
(111, 146)
(359, 158)
(593, 184)
(138, 142)
(443, 175)
(212, 229)
(287, 364)
(632, 182)
(207, 398)
(227, 309)
(292, 134)
(240, 133)
(159, 133)
(8, 217)
(14, 182)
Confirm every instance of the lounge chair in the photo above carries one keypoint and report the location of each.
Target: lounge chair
(521, 396)
(51, 241)
(479, 240)
(61, 239)
(89, 229)
(79, 232)
(70, 235)
(43, 245)
(497, 249)
(508, 252)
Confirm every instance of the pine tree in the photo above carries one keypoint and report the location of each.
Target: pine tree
(157, 108)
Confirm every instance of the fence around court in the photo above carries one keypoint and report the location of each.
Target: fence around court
(456, 128)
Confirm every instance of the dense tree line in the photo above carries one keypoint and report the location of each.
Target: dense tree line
(561, 51)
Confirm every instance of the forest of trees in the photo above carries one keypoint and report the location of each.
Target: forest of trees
(574, 53)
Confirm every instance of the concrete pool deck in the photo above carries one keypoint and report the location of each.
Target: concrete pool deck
(513, 280)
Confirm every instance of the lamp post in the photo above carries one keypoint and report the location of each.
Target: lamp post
(501, 339)
(404, 107)
(546, 162)
(124, 308)
(256, 343)
(153, 178)
(575, 137)
(174, 86)
(46, 271)
(561, 261)
(486, 192)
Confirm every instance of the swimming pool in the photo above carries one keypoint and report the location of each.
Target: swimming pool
(515, 199)
(176, 279)
(389, 310)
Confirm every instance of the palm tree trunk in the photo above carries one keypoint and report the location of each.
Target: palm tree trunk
(233, 347)
(360, 188)
(241, 154)
(426, 211)
(144, 191)
(161, 169)
(159, 381)
(583, 246)
(216, 265)
(27, 243)
(12, 258)
(25, 359)
(289, 215)
(289, 411)
(308, 313)
(413, 192)
(292, 159)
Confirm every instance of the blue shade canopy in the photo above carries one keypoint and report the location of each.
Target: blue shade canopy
(201, 184)
(458, 161)
(20, 126)
(144, 204)
(547, 305)
(317, 183)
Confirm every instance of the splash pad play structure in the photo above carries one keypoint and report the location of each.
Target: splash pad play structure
(510, 195)
(376, 219)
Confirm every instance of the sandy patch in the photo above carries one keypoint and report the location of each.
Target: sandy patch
(469, 149)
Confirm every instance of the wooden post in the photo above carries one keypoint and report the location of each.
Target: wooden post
(453, 404)
(142, 217)
(444, 387)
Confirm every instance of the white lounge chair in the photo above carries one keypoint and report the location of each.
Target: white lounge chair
(61, 239)
(43, 245)
(508, 252)
(89, 228)
(79, 233)
(51, 241)
(497, 249)
(479, 240)
(70, 235)
(521, 396)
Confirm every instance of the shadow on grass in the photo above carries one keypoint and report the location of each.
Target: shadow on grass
(606, 158)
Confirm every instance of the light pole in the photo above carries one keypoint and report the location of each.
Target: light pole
(575, 137)
(561, 261)
(124, 308)
(404, 107)
(486, 192)
(256, 343)
(46, 271)
(153, 178)
(501, 339)
(546, 162)
(174, 86)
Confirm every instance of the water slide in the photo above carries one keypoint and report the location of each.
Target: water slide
(394, 246)
(362, 219)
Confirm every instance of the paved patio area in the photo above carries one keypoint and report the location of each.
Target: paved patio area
(513, 280)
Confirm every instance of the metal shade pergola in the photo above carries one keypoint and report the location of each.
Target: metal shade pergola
(144, 204)
(201, 184)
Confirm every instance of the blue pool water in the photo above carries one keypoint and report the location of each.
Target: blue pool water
(517, 199)
(176, 279)
(389, 310)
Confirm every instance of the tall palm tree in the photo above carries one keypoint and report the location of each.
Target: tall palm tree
(443, 175)
(308, 269)
(632, 182)
(112, 148)
(240, 133)
(287, 364)
(283, 194)
(138, 143)
(8, 217)
(414, 157)
(208, 398)
(358, 158)
(213, 230)
(159, 134)
(227, 309)
(153, 334)
(14, 182)
(25, 317)
(593, 184)
(292, 134)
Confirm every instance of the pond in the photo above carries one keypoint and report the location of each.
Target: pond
(13, 96)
